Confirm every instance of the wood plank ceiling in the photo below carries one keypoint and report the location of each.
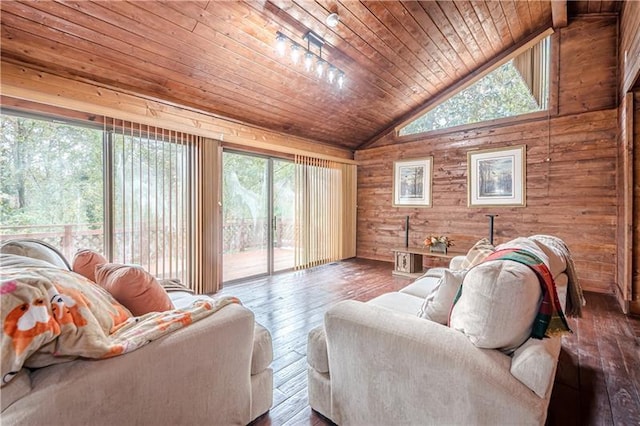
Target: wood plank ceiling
(219, 56)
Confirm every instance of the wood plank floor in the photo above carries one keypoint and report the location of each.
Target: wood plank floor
(253, 262)
(598, 379)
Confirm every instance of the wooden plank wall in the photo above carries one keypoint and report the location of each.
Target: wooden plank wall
(623, 288)
(588, 65)
(629, 43)
(629, 63)
(571, 170)
(635, 271)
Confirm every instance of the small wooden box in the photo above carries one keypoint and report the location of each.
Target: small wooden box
(409, 263)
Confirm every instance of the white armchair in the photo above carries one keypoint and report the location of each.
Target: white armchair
(391, 368)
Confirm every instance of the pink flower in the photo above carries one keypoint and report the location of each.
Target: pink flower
(8, 287)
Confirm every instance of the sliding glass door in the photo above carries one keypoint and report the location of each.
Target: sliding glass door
(257, 215)
(284, 206)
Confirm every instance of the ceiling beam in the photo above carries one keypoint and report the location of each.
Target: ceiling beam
(20, 81)
(559, 14)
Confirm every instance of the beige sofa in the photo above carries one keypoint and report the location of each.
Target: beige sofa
(379, 363)
(214, 371)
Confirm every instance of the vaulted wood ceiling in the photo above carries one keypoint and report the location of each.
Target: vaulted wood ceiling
(219, 56)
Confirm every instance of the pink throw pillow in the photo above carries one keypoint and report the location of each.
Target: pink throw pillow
(134, 287)
(85, 263)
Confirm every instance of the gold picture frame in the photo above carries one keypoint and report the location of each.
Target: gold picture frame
(497, 177)
(412, 181)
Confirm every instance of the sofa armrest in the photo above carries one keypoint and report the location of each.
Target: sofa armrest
(535, 362)
(390, 368)
(455, 263)
(196, 375)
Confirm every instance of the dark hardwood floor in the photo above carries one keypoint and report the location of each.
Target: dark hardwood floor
(598, 378)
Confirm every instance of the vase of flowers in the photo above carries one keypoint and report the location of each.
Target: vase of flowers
(438, 243)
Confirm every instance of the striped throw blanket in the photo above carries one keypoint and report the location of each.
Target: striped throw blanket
(550, 320)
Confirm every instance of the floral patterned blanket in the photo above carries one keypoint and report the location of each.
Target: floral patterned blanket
(50, 315)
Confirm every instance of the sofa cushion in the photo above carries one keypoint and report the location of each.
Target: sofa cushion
(497, 305)
(477, 253)
(262, 349)
(36, 249)
(437, 304)
(18, 386)
(317, 350)
(134, 287)
(85, 263)
(398, 302)
(534, 364)
(422, 287)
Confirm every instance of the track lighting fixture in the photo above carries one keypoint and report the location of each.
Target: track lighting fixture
(312, 62)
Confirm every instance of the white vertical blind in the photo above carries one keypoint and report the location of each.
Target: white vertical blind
(156, 206)
(320, 207)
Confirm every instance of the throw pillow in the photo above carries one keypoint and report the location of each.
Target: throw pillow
(85, 263)
(497, 305)
(134, 287)
(437, 305)
(477, 253)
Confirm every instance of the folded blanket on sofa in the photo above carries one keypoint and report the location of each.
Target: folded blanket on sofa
(51, 315)
(575, 298)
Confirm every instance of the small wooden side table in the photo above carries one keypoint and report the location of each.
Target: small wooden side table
(408, 260)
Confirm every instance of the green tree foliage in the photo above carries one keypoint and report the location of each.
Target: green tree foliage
(245, 186)
(284, 189)
(501, 93)
(50, 173)
(245, 189)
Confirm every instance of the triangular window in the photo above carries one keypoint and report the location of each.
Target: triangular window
(520, 86)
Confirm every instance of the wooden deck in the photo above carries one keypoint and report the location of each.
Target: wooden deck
(254, 262)
(598, 379)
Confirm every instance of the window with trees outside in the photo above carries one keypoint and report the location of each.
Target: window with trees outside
(51, 183)
(121, 189)
(520, 86)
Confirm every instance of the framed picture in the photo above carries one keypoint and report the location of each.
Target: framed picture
(497, 177)
(412, 182)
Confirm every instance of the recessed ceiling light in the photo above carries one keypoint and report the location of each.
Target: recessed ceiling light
(332, 20)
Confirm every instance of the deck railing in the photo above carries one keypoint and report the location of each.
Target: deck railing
(67, 238)
(238, 235)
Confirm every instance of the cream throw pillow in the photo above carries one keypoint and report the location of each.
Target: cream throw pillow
(498, 304)
(437, 305)
(477, 253)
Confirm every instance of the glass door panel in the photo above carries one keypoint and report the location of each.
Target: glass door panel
(245, 216)
(283, 214)
(51, 183)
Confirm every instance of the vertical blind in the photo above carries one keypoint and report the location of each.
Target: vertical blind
(155, 201)
(323, 195)
(533, 66)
